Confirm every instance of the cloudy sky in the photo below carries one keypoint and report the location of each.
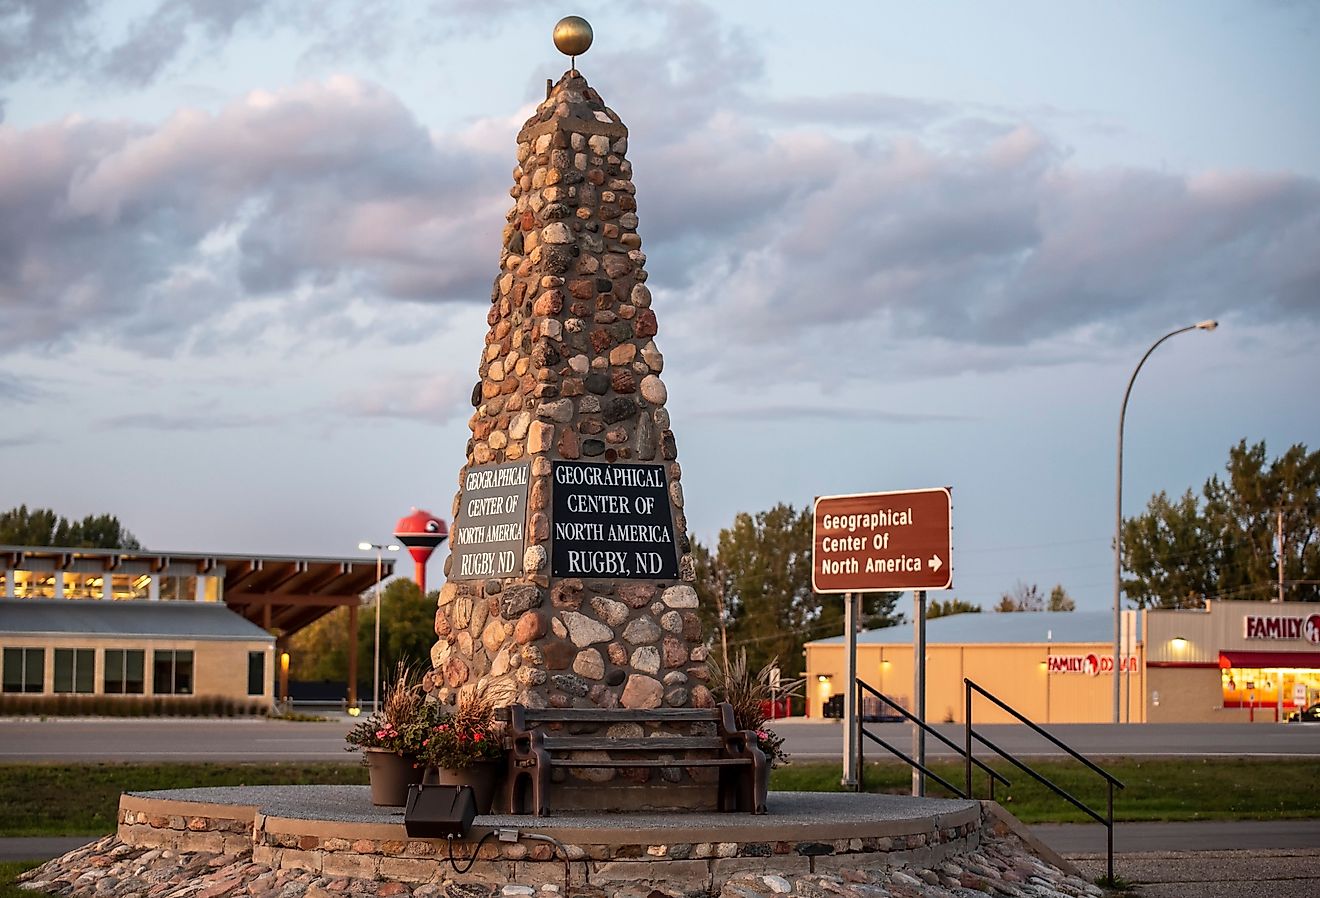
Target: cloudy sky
(246, 249)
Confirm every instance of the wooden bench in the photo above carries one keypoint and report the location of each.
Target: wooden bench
(541, 743)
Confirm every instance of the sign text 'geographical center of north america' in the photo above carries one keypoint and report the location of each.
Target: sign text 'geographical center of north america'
(883, 542)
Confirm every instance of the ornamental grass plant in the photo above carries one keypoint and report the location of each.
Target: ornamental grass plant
(401, 723)
(467, 735)
(732, 681)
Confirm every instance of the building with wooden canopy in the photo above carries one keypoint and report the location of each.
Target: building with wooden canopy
(134, 622)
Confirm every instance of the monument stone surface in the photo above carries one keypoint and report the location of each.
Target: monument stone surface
(568, 582)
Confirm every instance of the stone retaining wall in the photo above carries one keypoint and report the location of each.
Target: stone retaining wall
(979, 857)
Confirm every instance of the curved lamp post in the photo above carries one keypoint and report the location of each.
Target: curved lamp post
(1207, 325)
(375, 662)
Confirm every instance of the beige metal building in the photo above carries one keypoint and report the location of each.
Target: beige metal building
(1054, 667)
(137, 623)
(1227, 662)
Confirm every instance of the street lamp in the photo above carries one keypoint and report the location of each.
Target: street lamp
(1207, 325)
(375, 664)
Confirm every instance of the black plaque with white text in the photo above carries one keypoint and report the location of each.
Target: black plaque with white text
(612, 521)
(489, 531)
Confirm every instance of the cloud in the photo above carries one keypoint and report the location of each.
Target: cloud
(805, 411)
(181, 421)
(426, 396)
(79, 40)
(169, 30)
(330, 186)
(16, 389)
(42, 38)
(775, 228)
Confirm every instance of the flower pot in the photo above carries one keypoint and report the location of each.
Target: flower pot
(484, 777)
(391, 775)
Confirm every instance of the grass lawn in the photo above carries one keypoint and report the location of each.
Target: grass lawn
(1157, 789)
(9, 871)
(81, 800)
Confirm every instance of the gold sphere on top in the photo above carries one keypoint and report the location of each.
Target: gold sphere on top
(572, 35)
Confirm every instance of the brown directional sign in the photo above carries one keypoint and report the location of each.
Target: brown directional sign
(877, 542)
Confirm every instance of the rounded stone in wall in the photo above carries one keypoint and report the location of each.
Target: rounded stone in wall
(646, 659)
(589, 664)
(680, 596)
(642, 631)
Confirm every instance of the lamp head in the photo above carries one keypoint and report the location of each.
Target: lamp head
(365, 547)
(1208, 325)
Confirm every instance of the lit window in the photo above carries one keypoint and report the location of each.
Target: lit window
(130, 586)
(34, 585)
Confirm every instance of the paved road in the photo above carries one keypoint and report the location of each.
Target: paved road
(811, 739)
(81, 739)
(1205, 835)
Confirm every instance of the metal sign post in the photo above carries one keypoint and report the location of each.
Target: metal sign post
(874, 542)
(849, 780)
(919, 688)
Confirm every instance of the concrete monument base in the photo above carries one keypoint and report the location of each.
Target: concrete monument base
(330, 840)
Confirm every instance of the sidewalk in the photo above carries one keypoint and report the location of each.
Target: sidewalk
(1208, 859)
(1206, 835)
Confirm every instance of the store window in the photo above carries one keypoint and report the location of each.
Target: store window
(172, 672)
(24, 670)
(75, 670)
(34, 585)
(124, 671)
(130, 586)
(83, 586)
(178, 589)
(256, 673)
(1266, 689)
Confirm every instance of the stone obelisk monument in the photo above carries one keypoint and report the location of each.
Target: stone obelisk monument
(568, 578)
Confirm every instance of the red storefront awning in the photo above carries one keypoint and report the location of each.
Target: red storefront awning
(1303, 660)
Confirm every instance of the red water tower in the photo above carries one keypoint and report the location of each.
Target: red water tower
(421, 532)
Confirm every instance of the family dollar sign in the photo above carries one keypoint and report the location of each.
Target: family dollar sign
(883, 542)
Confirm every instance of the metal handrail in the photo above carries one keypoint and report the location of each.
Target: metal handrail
(1110, 780)
(910, 761)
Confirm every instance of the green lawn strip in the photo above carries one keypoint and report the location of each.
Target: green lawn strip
(78, 800)
(1157, 789)
(9, 872)
(81, 800)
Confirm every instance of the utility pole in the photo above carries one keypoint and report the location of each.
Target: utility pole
(719, 607)
(1279, 546)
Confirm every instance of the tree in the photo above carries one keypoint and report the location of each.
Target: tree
(1060, 600)
(1224, 543)
(407, 633)
(937, 608)
(42, 527)
(1022, 597)
(760, 573)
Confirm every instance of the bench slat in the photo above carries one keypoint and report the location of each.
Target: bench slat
(651, 762)
(620, 715)
(554, 742)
